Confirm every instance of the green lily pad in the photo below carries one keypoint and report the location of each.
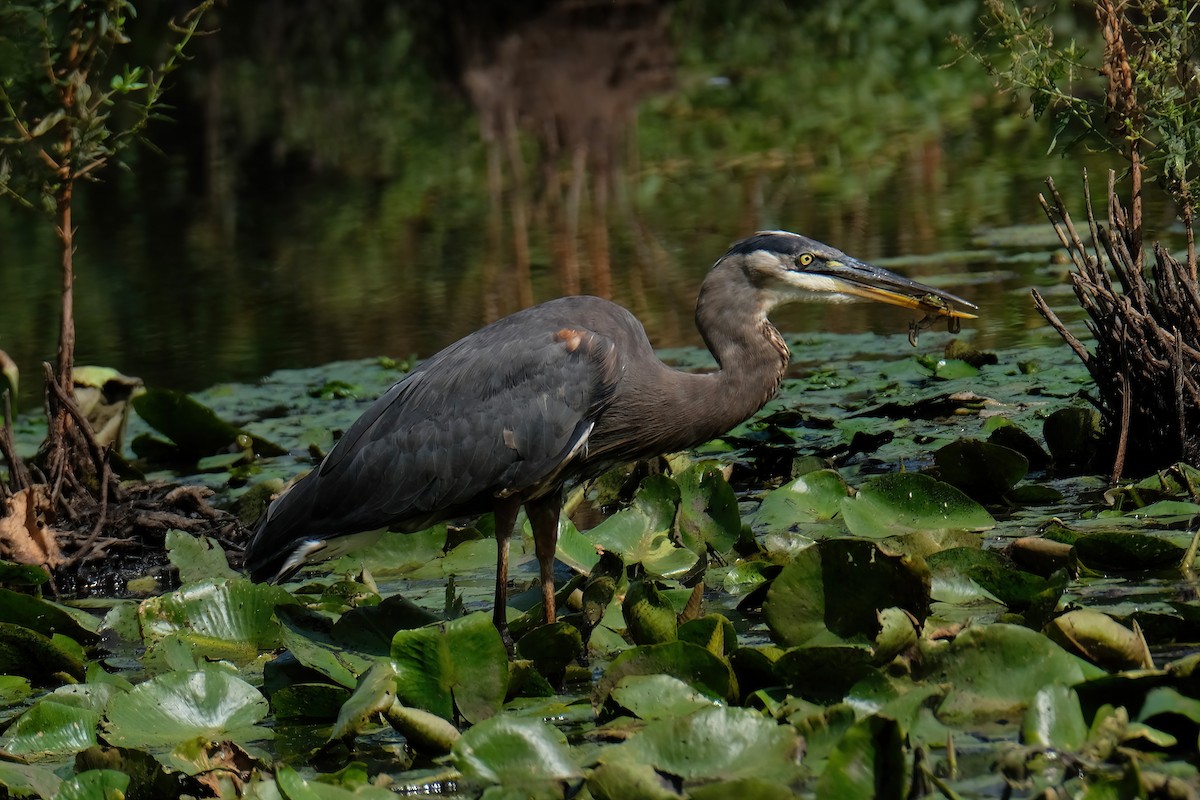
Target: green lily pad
(995, 671)
(622, 781)
(551, 647)
(374, 695)
(50, 729)
(231, 616)
(708, 509)
(1055, 720)
(40, 658)
(425, 732)
(460, 664)
(907, 502)
(197, 558)
(649, 616)
(659, 696)
(95, 784)
(295, 787)
(26, 780)
(1073, 435)
(641, 534)
(689, 663)
(869, 762)
(823, 673)
(313, 646)
(206, 703)
(715, 743)
(1122, 551)
(1100, 639)
(194, 430)
(516, 752)
(985, 471)
(813, 497)
(713, 632)
(1019, 590)
(45, 617)
(369, 629)
(808, 604)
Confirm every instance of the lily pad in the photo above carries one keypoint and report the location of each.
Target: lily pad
(233, 617)
(460, 664)
(194, 430)
(211, 704)
(813, 497)
(689, 663)
(907, 502)
(985, 471)
(515, 752)
(808, 603)
(1055, 720)
(1122, 551)
(32, 655)
(715, 743)
(1100, 639)
(869, 762)
(708, 509)
(649, 615)
(659, 696)
(641, 534)
(94, 784)
(51, 729)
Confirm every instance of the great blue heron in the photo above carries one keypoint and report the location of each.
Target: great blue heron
(564, 390)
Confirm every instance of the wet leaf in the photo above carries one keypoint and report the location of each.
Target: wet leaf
(715, 743)
(23, 780)
(551, 647)
(1121, 551)
(689, 663)
(1100, 639)
(808, 604)
(230, 616)
(824, 673)
(713, 632)
(649, 616)
(425, 732)
(194, 430)
(868, 762)
(207, 703)
(41, 659)
(985, 471)
(197, 558)
(708, 509)
(659, 696)
(52, 729)
(813, 497)
(640, 534)
(1072, 434)
(1055, 720)
(95, 784)
(906, 502)
(374, 695)
(45, 617)
(459, 665)
(995, 671)
(630, 781)
(515, 752)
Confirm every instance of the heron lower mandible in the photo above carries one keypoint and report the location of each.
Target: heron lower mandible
(562, 391)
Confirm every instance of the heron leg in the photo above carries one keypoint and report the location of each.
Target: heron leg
(543, 519)
(505, 513)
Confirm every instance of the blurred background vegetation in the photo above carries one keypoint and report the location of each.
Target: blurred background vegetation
(351, 179)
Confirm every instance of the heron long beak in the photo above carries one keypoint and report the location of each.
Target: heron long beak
(875, 283)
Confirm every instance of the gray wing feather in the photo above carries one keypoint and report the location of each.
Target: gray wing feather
(487, 416)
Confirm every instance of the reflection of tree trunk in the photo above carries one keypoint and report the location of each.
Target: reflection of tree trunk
(520, 210)
(495, 230)
(571, 73)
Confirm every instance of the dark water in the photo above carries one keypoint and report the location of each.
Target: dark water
(528, 171)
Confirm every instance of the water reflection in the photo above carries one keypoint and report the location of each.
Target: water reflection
(319, 208)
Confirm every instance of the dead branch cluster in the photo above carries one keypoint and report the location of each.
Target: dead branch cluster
(1145, 361)
(66, 510)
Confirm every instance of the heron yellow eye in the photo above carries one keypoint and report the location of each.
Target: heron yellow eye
(804, 259)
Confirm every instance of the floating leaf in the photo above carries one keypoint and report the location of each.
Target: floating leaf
(1122, 551)
(1055, 720)
(659, 696)
(515, 752)
(708, 509)
(551, 647)
(715, 743)
(95, 784)
(460, 664)
(374, 695)
(808, 604)
(52, 729)
(995, 671)
(194, 430)
(425, 732)
(623, 781)
(232, 615)
(1072, 434)
(983, 470)
(823, 674)
(1100, 639)
(813, 497)
(649, 616)
(689, 663)
(23, 780)
(640, 534)
(197, 558)
(869, 762)
(713, 632)
(907, 502)
(41, 659)
(45, 617)
(207, 703)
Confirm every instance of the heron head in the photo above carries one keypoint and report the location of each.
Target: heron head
(786, 267)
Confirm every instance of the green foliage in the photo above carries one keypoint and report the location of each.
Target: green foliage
(63, 88)
(1143, 94)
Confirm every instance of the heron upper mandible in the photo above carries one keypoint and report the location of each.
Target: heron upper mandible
(561, 391)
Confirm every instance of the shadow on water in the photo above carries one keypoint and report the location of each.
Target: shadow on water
(345, 183)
